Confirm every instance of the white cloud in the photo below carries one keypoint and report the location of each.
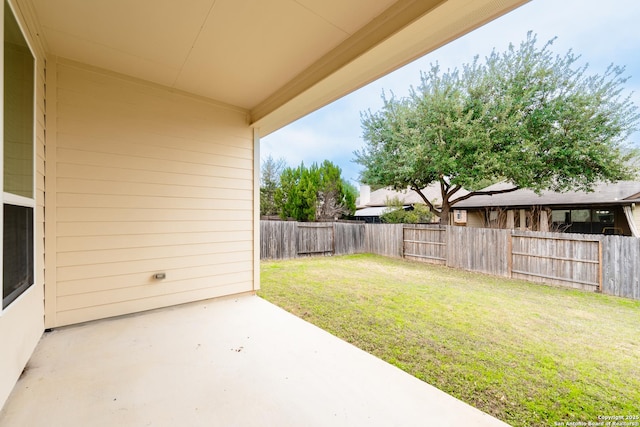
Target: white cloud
(602, 32)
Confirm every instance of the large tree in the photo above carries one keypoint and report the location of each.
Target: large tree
(525, 116)
(317, 193)
(270, 171)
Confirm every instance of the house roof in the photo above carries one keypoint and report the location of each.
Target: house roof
(278, 60)
(376, 211)
(620, 193)
(407, 197)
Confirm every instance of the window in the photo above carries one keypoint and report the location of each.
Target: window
(18, 162)
(17, 267)
(587, 221)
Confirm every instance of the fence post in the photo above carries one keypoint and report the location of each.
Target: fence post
(448, 238)
(600, 266)
(510, 253)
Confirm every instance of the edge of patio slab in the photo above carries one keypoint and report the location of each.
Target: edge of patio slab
(228, 362)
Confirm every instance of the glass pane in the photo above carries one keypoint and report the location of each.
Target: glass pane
(18, 252)
(560, 216)
(582, 215)
(604, 216)
(18, 109)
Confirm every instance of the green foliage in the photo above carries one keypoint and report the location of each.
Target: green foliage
(270, 171)
(314, 193)
(524, 116)
(395, 213)
(351, 193)
(296, 195)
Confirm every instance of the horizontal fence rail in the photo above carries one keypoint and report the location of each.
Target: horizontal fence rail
(607, 264)
(384, 239)
(425, 242)
(314, 239)
(555, 259)
(478, 249)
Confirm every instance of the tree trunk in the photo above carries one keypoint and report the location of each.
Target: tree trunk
(445, 212)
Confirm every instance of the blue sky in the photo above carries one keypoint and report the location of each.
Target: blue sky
(601, 32)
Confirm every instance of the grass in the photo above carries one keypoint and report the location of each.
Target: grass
(528, 354)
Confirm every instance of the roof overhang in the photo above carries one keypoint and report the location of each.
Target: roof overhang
(557, 206)
(621, 193)
(278, 60)
(408, 31)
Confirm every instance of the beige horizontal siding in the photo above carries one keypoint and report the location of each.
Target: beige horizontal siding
(118, 174)
(212, 261)
(191, 281)
(69, 229)
(124, 161)
(144, 241)
(147, 181)
(93, 312)
(475, 219)
(144, 202)
(160, 148)
(216, 263)
(89, 286)
(134, 148)
(107, 256)
(111, 188)
(40, 160)
(84, 214)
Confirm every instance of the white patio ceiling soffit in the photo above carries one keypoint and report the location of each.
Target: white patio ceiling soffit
(276, 59)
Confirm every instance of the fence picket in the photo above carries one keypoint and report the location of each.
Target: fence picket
(425, 243)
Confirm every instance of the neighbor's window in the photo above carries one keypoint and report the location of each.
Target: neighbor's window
(588, 221)
(18, 154)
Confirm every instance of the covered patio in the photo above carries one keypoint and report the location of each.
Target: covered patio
(131, 152)
(238, 361)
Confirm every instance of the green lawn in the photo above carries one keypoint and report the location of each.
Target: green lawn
(531, 355)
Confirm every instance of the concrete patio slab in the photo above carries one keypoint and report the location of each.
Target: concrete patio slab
(229, 362)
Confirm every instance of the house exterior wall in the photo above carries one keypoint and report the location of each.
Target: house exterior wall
(146, 180)
(475, 219)
(21, 323)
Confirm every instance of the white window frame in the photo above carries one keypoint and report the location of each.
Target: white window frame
(10, 198)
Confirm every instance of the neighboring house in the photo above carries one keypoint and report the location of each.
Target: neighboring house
(371, 204)
(131, 139)
(609, 209)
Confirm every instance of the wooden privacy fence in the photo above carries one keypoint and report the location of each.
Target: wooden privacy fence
(478, 249)
(278, 239)
(555, 258)
(384, 239)
(315, 239)
(560, 259)
(425, 243)
(290, 239)
(609, 264)
(621, 266)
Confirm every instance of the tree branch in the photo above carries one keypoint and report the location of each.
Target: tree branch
(456, 188)
(483, 193)
(426, 201)
(444, 185)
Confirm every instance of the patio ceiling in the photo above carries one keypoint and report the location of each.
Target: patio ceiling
(276, 59)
